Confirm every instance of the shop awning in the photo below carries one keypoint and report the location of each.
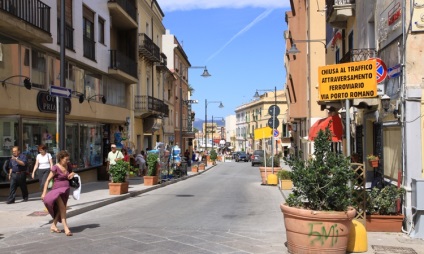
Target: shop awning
(333, 122)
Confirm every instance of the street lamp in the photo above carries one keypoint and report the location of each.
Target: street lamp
(206, 118)
(205, 74)
(293, 50)
(274, 113)
(27, 81)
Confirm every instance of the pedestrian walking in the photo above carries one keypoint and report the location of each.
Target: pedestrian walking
(126, 155)
(140, 160)
(43, 164)
(57, 198)
(17, 175)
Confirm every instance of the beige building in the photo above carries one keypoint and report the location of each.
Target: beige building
(99, 75)
(255, 115)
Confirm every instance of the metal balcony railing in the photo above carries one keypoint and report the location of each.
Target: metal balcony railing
(128, 7)
(122, 62)
(33, 12)
(149, 103)
(355, 55)
(89, 48)
(148, 48)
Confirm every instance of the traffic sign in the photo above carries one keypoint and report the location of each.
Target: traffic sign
(276, 133)
(60, 91)
(274, 110)
(394, 71)
(273, 122)
(381, 70)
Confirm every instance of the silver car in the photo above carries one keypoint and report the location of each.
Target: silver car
(257, 157)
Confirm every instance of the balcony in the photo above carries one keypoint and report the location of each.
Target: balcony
(147, 106)
(148, 49)
(26, 20)
(338, 11)
(163, 63)
(123, 13)
(122, 67)
(69, 35)
(355, 55)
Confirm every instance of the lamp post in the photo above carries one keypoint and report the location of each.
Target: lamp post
(293, 50)
(206, 118)
(205, 74)
(274, 114)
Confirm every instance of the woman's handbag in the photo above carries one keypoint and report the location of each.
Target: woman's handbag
(74, 182)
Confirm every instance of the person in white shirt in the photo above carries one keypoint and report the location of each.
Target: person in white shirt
(43, 163)
(114, 156)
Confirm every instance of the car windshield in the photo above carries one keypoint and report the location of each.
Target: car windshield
(258, 153)
(242, 153)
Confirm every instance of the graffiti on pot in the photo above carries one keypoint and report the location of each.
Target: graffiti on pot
(321, 234)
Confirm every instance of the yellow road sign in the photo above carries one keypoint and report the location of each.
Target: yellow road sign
(347, 81)
(261, 133)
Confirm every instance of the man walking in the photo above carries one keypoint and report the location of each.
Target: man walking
(17, 175)
(113, 156)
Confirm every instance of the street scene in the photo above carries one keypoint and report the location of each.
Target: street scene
(195, 126)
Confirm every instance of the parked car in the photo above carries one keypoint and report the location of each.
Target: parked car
(242, 156)
(257, 157)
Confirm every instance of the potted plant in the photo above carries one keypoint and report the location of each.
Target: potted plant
(373, 160)
(118, 174)
(318, 213)
(285, 180)
(194, 168)
(267, 170)
(382, 213)
(213, 156)
(201, 166)
(151, 177)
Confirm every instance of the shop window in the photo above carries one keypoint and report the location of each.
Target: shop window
(90, 145)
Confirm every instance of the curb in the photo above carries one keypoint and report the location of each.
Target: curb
(108, 201)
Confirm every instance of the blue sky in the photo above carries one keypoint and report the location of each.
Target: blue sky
(241, 43)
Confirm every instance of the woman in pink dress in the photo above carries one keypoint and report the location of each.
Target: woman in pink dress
(55, 200)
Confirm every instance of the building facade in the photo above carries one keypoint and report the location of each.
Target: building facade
(388, 124)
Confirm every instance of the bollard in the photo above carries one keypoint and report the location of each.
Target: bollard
(358, 241)
(272, 179)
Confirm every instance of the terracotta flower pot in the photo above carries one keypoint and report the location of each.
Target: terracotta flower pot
(373, 163)
(384, 223)
(202, 167)
(118, 188)
(194, 169)
(317, 231)
(266, 171)
(150, 180)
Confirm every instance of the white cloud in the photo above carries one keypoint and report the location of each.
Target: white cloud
(186, 5)
(242, 31)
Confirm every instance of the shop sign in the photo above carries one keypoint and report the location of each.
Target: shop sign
(347, 81)
(47, 103)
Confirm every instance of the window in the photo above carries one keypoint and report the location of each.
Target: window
(38, 68)
(101, 28)
(69, 31)
(88, 34)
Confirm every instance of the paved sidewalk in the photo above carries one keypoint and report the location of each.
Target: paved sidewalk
(22, 215)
